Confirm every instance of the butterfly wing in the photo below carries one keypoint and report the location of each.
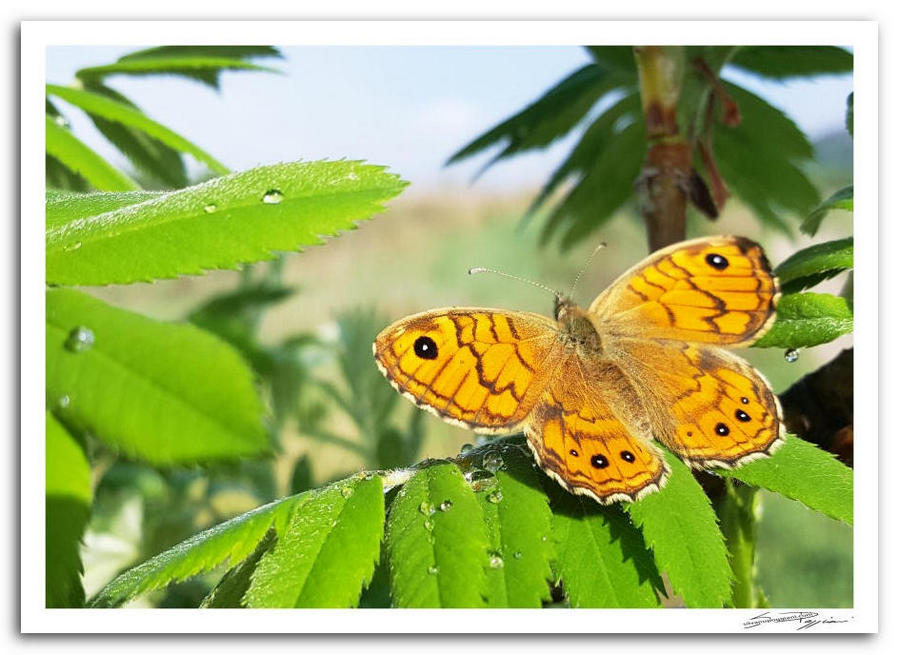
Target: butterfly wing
(708, 406)
(717, 290)
(590, 449)
(478, 368)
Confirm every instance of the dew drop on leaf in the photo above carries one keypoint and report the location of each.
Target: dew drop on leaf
(492, 462)
(63, 401)
(466, 447)
(518, 554)
(80, 339)
(433, 570)
(62, 121)
(495, 496)
(429, 524)
(73, 246)
(496, 561)
(346, 492)
(791, 355)
(446, 505)
(273, 197)
(426, 508)
(210, 208)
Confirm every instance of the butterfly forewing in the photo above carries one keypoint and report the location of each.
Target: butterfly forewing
(481, 368)
(717, 290)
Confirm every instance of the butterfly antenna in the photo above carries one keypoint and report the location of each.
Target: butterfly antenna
(600, 246)
(481, 269)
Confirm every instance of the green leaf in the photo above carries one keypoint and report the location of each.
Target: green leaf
(160, 392)
(65, 206)
(606, 186)
(517, 515)
(68, 503)
(153, 157)
(593, 142)
(230, 590)
(207, 75)
(780, 62)
(438, 558)
(60, 177)
(600, 556)
(771, 180)
(808, 319)
(680, 526)
(328, 552)
(808, 267)
(841, 199)
(221, 223)
(801, 471)
(96, 104)
(204, 69)
(620, 57)
(551, 116)
(231, 542)
(63, 146)
(302, 475)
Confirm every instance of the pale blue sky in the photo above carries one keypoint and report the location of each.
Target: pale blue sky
(406, 107)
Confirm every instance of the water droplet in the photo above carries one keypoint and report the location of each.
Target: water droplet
(492, 462)
(466, 447)
(273, 197)
(346, 492)
(352, 176)
(518, 554)
(63, 401)
(429, 524)
(543, 537)
(496, 561)
(446, 505)
(433, 570)
(334, 523)
(73, 246)
(62, 121)
(211, 207)
(791, 355)
(80, 339)
(495, 496)
(426, 508)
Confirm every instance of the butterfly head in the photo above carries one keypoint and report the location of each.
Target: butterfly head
(575, 324)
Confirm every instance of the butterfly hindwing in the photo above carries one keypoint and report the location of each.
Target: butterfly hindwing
(708, 406)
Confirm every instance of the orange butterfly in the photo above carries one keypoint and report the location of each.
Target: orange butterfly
(593, 389)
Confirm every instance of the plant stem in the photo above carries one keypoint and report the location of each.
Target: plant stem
(737, 509)
(663, 182)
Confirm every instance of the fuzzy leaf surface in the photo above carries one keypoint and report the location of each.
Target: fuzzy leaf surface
(67, 149)
(808, 267)
(160, 392)
(808, 319)
(68, 503)
(328, 552)
(681, 528)
(230, 542)
(519, 528)
(804, 472)
(218, 224)
(442, 565)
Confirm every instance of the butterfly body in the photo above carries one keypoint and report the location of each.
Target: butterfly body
(594, 390)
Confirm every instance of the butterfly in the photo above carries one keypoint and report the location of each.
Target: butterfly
(596, 390)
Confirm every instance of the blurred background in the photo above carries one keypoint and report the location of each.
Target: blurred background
(410, 108)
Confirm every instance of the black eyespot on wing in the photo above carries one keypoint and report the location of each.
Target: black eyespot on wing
(573, 453)
(717, 261)
(599, 461)
(722, 430)
(741, 415)
(425, 348)
(627, 455)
